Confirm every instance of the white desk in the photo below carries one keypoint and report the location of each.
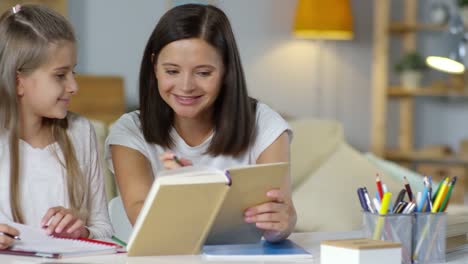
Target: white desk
(310, 241)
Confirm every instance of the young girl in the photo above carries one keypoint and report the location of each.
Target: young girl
(49, 169)
(194, 105)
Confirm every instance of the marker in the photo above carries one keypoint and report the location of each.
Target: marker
(383, 211)
(385, 203)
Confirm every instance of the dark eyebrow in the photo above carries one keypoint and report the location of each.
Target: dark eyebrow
(169, 64)
(66, 68)
(199, 66)
(206, 66)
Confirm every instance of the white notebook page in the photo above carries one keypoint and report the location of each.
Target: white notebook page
(36, 240)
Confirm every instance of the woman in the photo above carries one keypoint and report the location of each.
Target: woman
(194, 109)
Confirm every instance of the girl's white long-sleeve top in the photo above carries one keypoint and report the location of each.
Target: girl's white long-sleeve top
(43, 181)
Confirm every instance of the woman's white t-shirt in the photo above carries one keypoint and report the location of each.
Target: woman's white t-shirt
(43, 181)
(127, 132)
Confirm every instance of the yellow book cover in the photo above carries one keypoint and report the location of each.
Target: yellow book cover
(183, 204)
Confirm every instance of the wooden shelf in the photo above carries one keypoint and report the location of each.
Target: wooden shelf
(397, 91)
(402, 28)
(397, 155)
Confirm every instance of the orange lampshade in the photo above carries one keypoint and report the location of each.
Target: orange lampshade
(324, 19)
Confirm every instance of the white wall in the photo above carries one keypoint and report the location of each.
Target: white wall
(112, 35)
(301, 78)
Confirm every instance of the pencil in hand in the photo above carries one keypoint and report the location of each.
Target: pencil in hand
(177, 160)
(10, 236)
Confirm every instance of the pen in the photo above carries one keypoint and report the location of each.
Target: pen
(418, 198)
(429, 202)
(397, 207)
(177, 160)
(400, 197)
(402, 207)
(376, 204)
(430, 187)
(410, 208)
(366, 196)
(429, 191)
(423, 199)
(362, 199)
(11, 236)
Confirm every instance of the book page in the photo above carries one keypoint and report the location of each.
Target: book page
(191, 175)
(249, 187)
(189, 171)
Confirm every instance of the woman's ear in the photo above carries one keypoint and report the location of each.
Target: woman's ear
(19, 85)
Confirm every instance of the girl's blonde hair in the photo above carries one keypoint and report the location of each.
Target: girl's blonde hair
(26, 34)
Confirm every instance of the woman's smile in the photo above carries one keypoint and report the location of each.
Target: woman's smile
(187, 100)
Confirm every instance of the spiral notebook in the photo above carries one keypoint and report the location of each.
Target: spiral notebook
(35, 242)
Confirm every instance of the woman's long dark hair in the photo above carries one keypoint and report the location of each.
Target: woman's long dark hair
(234, 110)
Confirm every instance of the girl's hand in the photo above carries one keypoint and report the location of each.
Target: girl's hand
(171, 161)
(63, 222)
(277, 218)
(6, 241)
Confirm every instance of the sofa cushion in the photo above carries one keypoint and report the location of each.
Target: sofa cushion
(314, 141)
(101, 133)
(327, 199)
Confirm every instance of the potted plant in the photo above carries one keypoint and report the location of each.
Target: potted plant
(410, 68)
(463, 5)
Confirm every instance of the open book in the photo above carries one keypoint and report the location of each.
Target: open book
(35, 242)
(188, 206)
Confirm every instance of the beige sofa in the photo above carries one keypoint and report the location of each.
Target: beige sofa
(326, 173)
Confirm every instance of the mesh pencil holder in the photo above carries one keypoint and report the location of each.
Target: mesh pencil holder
(391, 227)
(429, 237)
